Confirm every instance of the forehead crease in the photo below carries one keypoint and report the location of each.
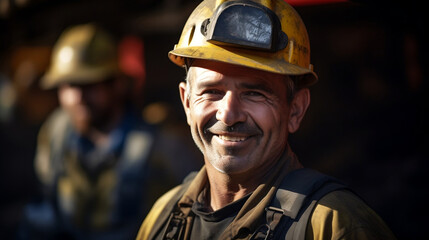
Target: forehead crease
(247, 79)
(203, 75)
(206, 81)
(260, 85)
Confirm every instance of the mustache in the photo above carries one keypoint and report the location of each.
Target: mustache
(217, 127)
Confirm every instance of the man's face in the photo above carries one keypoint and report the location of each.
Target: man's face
(238, 116)
(88, 105)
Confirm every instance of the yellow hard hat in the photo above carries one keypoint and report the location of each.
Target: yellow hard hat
(83, 54)
(268, 35)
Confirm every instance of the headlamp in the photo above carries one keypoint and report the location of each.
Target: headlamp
(245, 24)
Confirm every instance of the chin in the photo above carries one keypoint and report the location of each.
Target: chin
(231, 165)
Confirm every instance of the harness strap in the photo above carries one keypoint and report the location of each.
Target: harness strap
(175, 221)
(273, 218)
(298, 227)
(293, 204)
(175, 225)
(286, 217)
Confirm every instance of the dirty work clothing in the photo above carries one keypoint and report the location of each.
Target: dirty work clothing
(102, 192)
(338, 215)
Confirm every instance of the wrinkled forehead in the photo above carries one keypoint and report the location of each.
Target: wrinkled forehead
(204, 70)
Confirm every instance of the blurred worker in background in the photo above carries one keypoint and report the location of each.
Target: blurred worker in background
(100, 165)
(248, 73)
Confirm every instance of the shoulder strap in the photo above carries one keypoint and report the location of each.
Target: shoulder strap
(166, 214)
(295, 199)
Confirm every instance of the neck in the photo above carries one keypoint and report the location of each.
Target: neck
(227, 188)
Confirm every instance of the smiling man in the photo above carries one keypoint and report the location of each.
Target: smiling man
(248, 73)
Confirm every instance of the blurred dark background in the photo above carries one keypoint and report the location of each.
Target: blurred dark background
(366, 125)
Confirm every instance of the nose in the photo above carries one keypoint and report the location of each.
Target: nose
(230, 110)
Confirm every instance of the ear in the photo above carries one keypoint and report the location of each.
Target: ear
(298, 108)
(185, 99)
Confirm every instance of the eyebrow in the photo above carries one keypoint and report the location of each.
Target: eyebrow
(207, 83)
(257, 86)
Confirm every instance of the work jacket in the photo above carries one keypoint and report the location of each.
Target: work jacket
(339, 214)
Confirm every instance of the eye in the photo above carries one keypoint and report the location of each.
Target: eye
(212, 94)
(212, 91)
(254, 95)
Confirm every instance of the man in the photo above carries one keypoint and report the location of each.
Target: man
(246, 90)
(100, 165)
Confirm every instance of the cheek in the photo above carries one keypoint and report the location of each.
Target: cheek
(200, 114)
(197, 118)
(271, 119)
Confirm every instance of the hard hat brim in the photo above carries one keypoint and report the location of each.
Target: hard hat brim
(246, 58)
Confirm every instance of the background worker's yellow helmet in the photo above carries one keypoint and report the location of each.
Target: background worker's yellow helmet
(268, 35)
(83, 54)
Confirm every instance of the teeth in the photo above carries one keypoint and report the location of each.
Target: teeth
(231, 138)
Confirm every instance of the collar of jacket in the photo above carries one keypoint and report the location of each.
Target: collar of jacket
(251, 213)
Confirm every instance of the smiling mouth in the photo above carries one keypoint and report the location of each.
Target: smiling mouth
(231, 138)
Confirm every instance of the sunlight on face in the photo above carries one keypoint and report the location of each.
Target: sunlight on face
(238, 116)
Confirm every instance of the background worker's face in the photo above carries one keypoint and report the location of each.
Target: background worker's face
(239, 117)
(88, 105)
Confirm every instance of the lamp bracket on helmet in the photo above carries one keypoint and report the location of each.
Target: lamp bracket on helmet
(245, 24)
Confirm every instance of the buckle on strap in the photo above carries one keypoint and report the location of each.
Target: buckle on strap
(273, 218)
(274, 215)
(175, 225)
(262, 232)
